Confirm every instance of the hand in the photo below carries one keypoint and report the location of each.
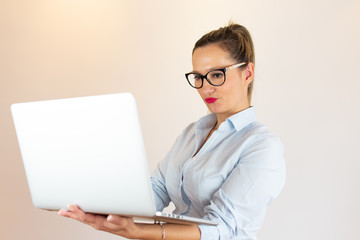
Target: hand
(122, 226)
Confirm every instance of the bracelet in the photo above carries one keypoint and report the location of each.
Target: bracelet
(162, 230)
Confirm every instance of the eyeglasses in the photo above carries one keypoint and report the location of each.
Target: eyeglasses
(214, 77)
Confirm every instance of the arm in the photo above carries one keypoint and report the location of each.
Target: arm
(241, 202)
(126, 227)
(161, 195)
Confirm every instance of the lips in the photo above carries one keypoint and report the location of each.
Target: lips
(210, 100)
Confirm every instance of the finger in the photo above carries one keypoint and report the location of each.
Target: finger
(64, 213)
(99, 222)
(68, 213)
(77, 214)
(119, 220)
(119, 223)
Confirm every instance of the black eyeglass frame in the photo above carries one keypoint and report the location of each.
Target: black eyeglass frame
(205, 76)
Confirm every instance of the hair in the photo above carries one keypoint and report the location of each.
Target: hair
(236, 40)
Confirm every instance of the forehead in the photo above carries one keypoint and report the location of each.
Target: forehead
(210, 57)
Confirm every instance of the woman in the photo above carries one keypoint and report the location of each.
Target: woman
(225, 167)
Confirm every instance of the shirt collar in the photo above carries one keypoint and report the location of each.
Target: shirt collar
(242, 119)
(238, 121)
(206, 122)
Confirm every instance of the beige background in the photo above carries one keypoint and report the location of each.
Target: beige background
(306, 91)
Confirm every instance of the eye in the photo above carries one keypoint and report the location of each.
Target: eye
(217, 75)
(196, 77)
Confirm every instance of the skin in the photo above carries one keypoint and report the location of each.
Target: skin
(232, 95)
(231, 99)
(125, 227)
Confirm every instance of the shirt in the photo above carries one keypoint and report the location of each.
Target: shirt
(232, 179)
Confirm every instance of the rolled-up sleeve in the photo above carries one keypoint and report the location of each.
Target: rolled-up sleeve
(239, 206)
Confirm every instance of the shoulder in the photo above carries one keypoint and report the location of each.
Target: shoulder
(262, 145)
(259, 133)
(188, 131)
(204, 124)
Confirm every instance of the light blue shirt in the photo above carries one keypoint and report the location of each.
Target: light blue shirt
(232, 179)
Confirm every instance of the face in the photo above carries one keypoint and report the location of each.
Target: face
(231, 97)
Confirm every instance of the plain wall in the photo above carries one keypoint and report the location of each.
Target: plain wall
(306, 91)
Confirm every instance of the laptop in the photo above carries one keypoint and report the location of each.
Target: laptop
(88, 151)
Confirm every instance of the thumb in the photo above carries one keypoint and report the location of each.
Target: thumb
(118, 220)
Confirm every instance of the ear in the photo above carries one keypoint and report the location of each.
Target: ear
(249, 73)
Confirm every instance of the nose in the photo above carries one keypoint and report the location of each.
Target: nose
(207, 87)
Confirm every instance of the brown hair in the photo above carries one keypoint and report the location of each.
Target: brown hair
(236, 40)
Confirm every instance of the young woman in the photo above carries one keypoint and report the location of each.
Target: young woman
(225, 167)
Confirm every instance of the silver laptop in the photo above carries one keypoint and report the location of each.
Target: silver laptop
(88, 151)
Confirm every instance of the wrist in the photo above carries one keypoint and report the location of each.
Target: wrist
(163, 234)
(150, 232)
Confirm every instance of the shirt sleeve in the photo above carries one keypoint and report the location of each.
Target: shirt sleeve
(239, 206)
(158, 178)
(158, 183)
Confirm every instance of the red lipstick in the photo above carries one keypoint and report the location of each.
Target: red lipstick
(210, 100)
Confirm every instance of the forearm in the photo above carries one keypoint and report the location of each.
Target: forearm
(126, 227)
(172, 232)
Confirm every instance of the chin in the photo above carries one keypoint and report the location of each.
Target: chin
(212, 110)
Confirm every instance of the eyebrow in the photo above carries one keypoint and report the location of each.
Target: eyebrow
(215, 68)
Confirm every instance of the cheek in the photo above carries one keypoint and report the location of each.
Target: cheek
(237, 86)
(234, 92)
(231, 87)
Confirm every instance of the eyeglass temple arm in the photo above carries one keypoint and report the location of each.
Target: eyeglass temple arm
(236, 65)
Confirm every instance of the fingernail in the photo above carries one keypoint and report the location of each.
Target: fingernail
(110, 217)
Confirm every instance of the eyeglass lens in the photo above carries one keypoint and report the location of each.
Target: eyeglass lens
(216, 78)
